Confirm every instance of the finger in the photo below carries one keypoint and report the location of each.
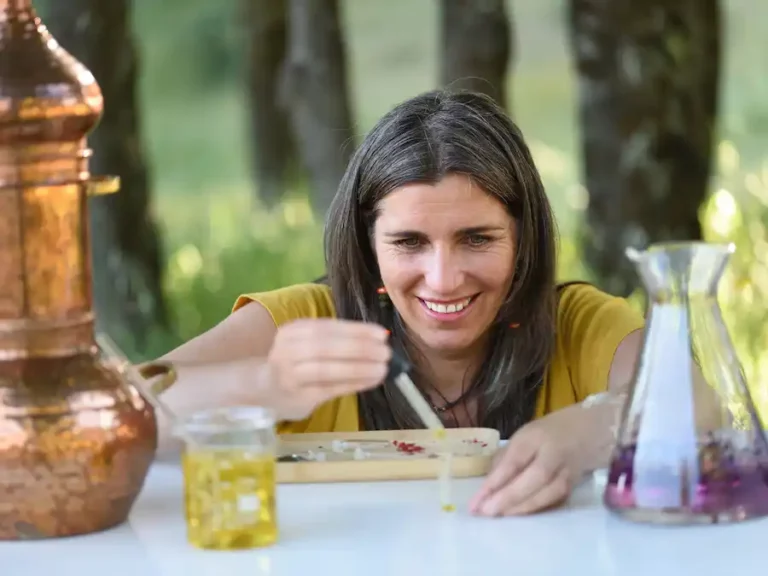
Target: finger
(550, 495)
(321, 347)
(533, 478)
(338, 372)
(333, 327)
(518, 454)
(500, 452)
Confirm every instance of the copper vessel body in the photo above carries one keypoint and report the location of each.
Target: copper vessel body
(76, 440)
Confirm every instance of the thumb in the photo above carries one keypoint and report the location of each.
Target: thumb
(498, 456)
(506, 464)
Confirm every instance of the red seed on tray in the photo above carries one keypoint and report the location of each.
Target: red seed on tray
(408, 447)
(476, 441)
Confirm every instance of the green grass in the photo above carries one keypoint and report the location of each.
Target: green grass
(220, 242)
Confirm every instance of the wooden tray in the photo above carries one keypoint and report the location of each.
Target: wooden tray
(473, 450)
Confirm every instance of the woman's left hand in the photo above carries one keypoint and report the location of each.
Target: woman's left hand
(546, 458)
(534, 472)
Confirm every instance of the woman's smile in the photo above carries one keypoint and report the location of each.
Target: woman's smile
(447, 310)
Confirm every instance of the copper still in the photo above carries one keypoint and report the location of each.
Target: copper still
(76, 440)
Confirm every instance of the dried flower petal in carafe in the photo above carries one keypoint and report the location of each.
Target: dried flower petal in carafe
(691, 448)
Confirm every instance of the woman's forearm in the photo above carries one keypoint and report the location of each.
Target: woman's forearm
(595, 424)
(590, 430)
(201, 386)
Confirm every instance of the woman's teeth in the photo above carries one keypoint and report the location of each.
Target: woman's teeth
(448, 308)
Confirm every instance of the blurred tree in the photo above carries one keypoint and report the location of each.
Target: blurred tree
(316, 93)
(215, 44)
(475, 42)
(274, 149)
(648, 77)
(127, 263)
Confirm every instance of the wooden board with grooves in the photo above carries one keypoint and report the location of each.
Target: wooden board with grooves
(383, 455)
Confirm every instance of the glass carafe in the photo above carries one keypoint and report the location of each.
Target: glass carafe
(691, 448)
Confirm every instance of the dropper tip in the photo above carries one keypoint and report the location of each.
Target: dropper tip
(633, 254)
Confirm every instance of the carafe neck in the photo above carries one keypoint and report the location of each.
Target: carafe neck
(680, 272)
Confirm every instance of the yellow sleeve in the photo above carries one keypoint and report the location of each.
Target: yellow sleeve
(591, 324)
(293, 302)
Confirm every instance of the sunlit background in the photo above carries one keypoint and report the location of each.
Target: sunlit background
(219, 241)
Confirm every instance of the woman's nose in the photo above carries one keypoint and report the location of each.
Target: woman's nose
(443, 273)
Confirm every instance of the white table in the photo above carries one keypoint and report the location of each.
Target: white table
(395, 529)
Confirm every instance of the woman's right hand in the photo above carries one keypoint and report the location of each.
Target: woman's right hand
(314, 360)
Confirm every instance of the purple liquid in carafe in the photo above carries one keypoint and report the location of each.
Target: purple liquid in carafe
(728, 487)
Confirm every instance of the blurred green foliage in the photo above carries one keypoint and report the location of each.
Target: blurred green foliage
(737, 212)
(219, 242)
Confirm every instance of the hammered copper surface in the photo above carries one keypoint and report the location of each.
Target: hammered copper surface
(75, 441)
(75, 447)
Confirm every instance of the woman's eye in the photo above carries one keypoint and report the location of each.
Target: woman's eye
(478, 240)
(408, 242)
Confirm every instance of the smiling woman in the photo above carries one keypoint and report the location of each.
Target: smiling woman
(446, 254)
(441, 244)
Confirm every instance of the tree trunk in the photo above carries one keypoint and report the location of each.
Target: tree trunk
(475, 42)
(274, 151)
(127, 260)
(648, 75)
(315, 89)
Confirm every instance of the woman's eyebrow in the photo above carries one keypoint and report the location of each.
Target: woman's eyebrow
(403, 234)
(460, 232)
(481, 229)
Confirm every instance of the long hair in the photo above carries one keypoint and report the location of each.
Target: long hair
(421, 141)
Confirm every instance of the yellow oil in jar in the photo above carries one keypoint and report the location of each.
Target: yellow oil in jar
(230, 499)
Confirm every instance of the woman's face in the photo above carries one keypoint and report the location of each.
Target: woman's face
(446, 254)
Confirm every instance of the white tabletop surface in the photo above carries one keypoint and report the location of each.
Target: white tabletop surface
(395, 529)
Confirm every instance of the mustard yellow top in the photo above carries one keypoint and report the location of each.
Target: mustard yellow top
(590, 326)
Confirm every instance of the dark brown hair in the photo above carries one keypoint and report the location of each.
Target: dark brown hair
(423, 140)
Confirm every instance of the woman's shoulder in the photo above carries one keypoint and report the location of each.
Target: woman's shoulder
(591, 324)
(310, 300)
(583, 303)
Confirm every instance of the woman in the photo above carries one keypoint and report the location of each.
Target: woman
(440, 243)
